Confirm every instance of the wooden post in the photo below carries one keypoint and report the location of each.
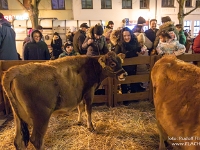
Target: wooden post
(110, 92)
(152, 62)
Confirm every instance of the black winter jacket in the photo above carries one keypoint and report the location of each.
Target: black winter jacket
(36, 51)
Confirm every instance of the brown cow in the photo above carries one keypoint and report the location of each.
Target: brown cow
(36, 90)
(176, 88)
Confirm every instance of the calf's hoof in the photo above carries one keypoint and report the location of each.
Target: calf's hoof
(92, 130)
(79, 123)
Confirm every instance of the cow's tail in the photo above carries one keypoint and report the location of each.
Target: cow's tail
(7, 80)
(25, 133)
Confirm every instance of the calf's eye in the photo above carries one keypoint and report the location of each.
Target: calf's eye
(112, 64)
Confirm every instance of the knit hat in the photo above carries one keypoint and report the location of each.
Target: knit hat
(141, 21)
(165, 19)
(110, 22)
(68, 43)
(98, 30)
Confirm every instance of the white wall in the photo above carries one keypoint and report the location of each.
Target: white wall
(116, 14)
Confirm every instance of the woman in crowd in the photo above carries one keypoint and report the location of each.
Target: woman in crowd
(36, 49)
(56, 44)
(107, 31)
(129, 45)
(95, 43)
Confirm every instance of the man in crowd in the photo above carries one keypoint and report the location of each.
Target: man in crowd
(8, 49)
(151, 33)
(79, 38)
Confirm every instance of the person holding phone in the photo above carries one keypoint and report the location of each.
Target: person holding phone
(56, 44)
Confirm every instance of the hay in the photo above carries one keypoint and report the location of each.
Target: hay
(129, 127)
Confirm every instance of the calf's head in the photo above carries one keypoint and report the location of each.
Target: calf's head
(111, 63)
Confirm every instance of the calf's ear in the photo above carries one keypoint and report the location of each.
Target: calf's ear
(102, 61)
(121, 56)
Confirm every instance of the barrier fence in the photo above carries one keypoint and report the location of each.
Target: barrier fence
(111, 96)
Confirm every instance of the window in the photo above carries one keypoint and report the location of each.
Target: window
(198, 3)
(187, 25)
(126, 4)
(167, 3)
(58, 4)
(144, 4)
(3, 5)
(196, 28)
(188, 3)
(87, 4)
(106, 4)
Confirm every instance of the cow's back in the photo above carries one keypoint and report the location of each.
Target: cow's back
(177, 99)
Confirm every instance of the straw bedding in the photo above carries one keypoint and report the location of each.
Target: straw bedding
(131, 127)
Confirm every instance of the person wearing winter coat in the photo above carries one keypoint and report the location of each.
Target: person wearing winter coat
(196, 44)
(151, 34)
(107, 31)
(36, 49)
(68, 50)
(169, 45)
(56, 45)
(139, 26)
(95, 43)
(139, 33)
(128, 44)
(79, 38)
(167, 25)
(182, 37)
(8, 49)
(27, 39)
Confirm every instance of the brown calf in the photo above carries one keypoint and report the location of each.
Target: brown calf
(36, 90)
(176, 88)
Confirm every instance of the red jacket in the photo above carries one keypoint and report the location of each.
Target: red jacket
(196, 44)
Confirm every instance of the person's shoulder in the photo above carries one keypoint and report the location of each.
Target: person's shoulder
(42, 42)
(147, 31)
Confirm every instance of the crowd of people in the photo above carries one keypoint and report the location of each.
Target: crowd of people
(92, 41)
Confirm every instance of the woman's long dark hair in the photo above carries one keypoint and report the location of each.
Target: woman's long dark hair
(133, 42)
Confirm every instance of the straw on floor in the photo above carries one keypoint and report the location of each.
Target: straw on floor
(131, 127)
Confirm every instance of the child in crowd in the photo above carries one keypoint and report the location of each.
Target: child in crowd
(168, 44)
(68, 50)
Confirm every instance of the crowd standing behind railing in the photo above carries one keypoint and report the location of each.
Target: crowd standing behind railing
(94, 40)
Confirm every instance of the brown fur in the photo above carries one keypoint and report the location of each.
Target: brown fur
(115, 36)
(36, 90)
(176, 91)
